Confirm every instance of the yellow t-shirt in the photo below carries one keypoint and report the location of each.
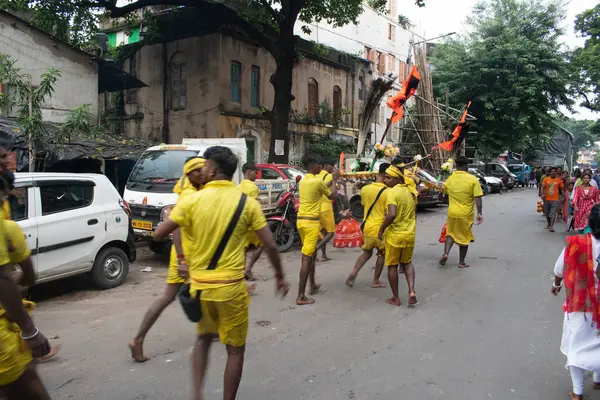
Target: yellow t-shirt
(186, 237)
(367, 196)
(462, 188)
(206, 214)
(13, 246)
(6, 209)
(249, 187)
(326, 177)
(312, 189)
(403, 231)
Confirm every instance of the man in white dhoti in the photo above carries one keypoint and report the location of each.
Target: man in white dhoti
(578, 267)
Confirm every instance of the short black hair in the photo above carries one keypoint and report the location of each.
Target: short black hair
(462, 161)
(226, 161)
(328, 161)
(397, 160)
(383, 167)
(310, 160)
(553, 169)
(249, 166)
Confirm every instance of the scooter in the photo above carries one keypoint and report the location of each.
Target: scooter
(283, 222)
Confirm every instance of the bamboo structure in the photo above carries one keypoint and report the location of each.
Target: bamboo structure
(379, 87)
(430, 126)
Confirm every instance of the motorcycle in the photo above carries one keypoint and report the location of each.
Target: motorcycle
(283, 222)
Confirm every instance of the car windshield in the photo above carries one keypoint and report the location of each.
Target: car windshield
(160, 167)
(292, 173)
(515, 168)
(476, 172)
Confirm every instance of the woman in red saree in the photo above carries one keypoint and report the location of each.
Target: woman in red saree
(578, 267)
(584, 198)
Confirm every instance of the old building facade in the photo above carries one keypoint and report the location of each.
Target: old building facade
(216, 85)
(35, 52)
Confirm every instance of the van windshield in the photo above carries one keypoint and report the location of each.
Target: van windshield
(158, 170)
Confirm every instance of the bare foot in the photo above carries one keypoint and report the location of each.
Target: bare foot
(412, 300)
(53, 351)
(350, 281)
(393, 301)
(574, 396)
(249, 276)
(137, 351)
(317, 289)
(463, 265)
(325, 259)
(303, 301)
(251, 289)
(378, 285)
(444, 259)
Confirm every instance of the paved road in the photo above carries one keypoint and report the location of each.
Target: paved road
(488, 332)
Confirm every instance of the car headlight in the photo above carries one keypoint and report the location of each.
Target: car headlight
(166, 211)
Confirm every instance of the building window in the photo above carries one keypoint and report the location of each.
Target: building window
(391, 63)
(361, 85)
(367, 53)
(132, 93)
(255, 86)
(235, 82)
(313, 97)
(392, 8)
(178, 86)
(392, 32)
(381, 63)
(337, 101)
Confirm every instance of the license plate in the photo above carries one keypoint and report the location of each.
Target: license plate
(146, 225)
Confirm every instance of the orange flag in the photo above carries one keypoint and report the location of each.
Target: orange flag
(409, 86)
(457, 132)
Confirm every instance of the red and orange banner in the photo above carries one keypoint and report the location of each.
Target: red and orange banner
(409, 87)
(457, 131)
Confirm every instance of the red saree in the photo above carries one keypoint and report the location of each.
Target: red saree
(583, 200)
(578, 275)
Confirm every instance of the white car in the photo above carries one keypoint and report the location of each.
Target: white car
(74, 224)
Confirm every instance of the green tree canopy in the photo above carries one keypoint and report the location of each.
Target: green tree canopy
(587, 58)
(63, 19)
(511, 65)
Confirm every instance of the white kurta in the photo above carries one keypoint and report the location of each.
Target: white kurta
(580, 340)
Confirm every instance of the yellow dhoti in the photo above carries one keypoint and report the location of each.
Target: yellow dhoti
(459, 229)
(14, 353)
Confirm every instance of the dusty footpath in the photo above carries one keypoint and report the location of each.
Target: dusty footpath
(488, 332)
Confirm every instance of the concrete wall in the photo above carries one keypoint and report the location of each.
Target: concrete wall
(36, 52)
(209, 111)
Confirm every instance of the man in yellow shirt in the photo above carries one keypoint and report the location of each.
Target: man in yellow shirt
(312, 189)
(374, 201)
(400, 228)
(21, 340)
(327, 216)
(190, 182)
(248, 186)
(464, 191)
(220, 286)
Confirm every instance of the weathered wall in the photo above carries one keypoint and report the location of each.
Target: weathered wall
(36, 52)
(209, 110)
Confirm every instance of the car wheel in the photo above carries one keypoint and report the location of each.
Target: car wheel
(158, 247)
(110, 268)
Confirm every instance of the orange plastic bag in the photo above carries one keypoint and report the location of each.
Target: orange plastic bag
(443, 234)
(348, 235)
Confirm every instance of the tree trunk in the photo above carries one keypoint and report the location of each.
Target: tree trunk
(279, 116)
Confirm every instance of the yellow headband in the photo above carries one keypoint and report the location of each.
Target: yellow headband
(184, 183)
(394, 172)
(193, 164)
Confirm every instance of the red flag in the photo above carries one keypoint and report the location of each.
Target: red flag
(409, 86)
(457, 132)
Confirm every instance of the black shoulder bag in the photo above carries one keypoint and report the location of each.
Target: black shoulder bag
(362, 226)
(191, 305)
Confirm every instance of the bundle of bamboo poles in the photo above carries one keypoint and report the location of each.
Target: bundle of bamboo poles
(429, 126)
(379, 87)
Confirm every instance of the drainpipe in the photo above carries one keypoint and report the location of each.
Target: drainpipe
(165, 127)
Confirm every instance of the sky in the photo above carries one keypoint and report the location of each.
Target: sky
(440, 17)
